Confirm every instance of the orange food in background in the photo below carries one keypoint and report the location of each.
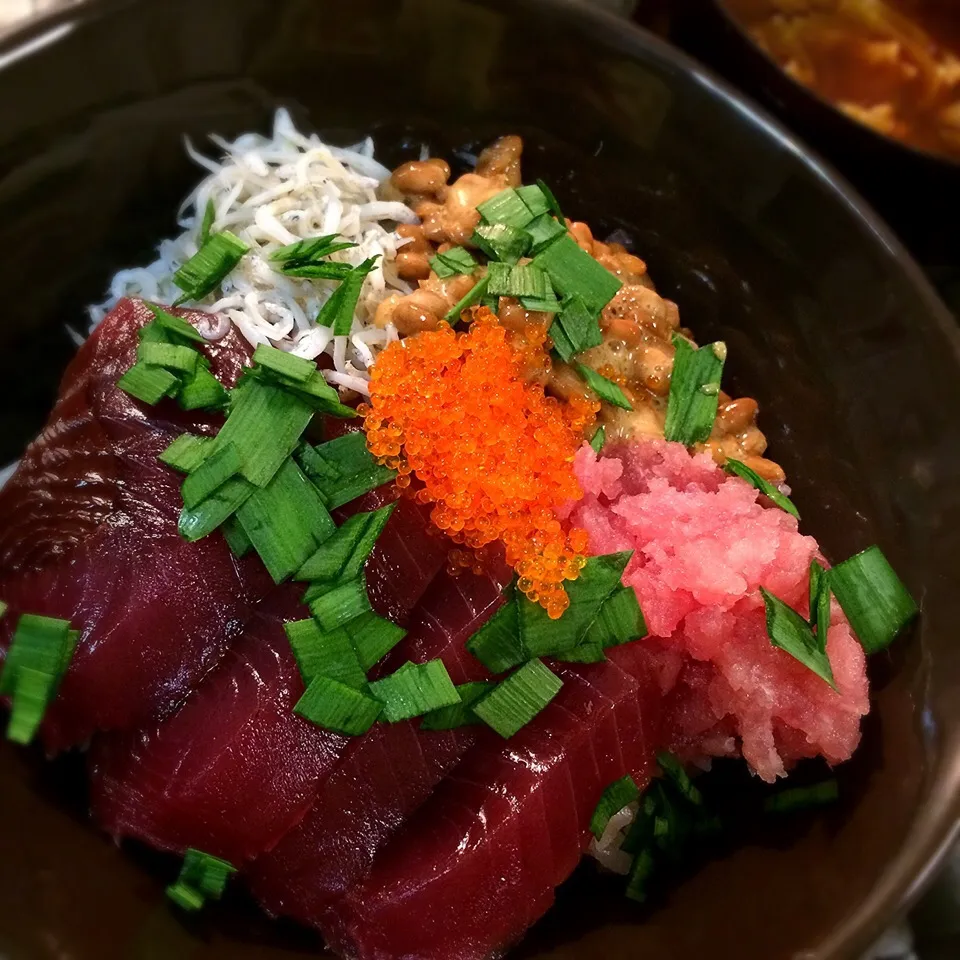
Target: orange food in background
(459, 412)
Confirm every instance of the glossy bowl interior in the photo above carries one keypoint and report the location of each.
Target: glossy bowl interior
(830, 326)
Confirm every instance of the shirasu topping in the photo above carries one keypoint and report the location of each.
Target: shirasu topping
(272, 192)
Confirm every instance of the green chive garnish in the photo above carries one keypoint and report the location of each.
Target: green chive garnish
(335, 706)
(415, 689)
(597, 440)
(336, 604)
(210, 475)
(206, 224)
(507, 207)
(552, 203)
(791, 633)
(802, 798)
(616, 796)
(286, 521)
(694, 391)
(819, 598)
(343, 469)
(202, 877)
(875, 600)
(520, 280)
(203, 519)
(325, 654)
(534, 199)
(514, 702)
(502, 242)
(605, 389)
(764, 486)
(337, 313)
(148, 384)
(306, 252)
(174, 327)
(472, 297)
(542, 232)
(459, 714)
(206, 269)
(453, 262)
(286, 365)
(619, 621)
(673, 769)
(170, 356)
(497, 643)
(342, 556)
(202, 391)
(236, 537)
(373, 637)
(187, 452)
(573, 272)
(39, 655)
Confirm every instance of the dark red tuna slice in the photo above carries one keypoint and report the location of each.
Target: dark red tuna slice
(88, 532)
(233, 768)
(385, 776)
(443, 886)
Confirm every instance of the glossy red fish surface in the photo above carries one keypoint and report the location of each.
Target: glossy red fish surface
(478, 862)
(386, 775)
(88, 533)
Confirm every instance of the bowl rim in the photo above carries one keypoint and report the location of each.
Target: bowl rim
(936, 830)
(928, 156)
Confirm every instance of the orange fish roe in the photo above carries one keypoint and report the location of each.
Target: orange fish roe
(492, 451)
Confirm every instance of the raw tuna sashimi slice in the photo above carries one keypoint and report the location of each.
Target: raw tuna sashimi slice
(234, 768)
(88, 533)
(385, 776)
(477, 864)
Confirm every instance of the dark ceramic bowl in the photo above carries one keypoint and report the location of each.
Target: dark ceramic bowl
(830, 325)
(917, 192)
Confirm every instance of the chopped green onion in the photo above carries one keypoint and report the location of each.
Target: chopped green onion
(202, 391)
(206, 224)
(148, 384)
(314, 391)
(616, 796)
(543, 231)
(640, 833)
(574, 272)
(534, 199)
(791, 633)
(597, 440)
(236, 537)
(373, 638)
(337, 313)
(38, 657)
(470, 298)
(521, 280)
(216, 469)
(343, 469)
(343, 555)
(694, 391)
(459, 714)
(640, 874)
(216, 509)
(297, 369)
(335, 706)
(304, 252)
(552, 204)
(515, 701)
(581, 327)
(415, 689)
(265, 425)
(802, 798)
(605, 389)
(175, 326)
(501, 242)
(586, 651)
(286, 521)
(598, 581)
(324, 654)
(764, 486)
(619, 621)
(319, 270)
(497, 643)
(673, 769)
(205, 270)
(172, 357)
(873, 597)
(540, 304)
(340, 603)
(187, 452)
(506, 207)
(562, 346)
(452, 262)
(819, 599)
(202, 877)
